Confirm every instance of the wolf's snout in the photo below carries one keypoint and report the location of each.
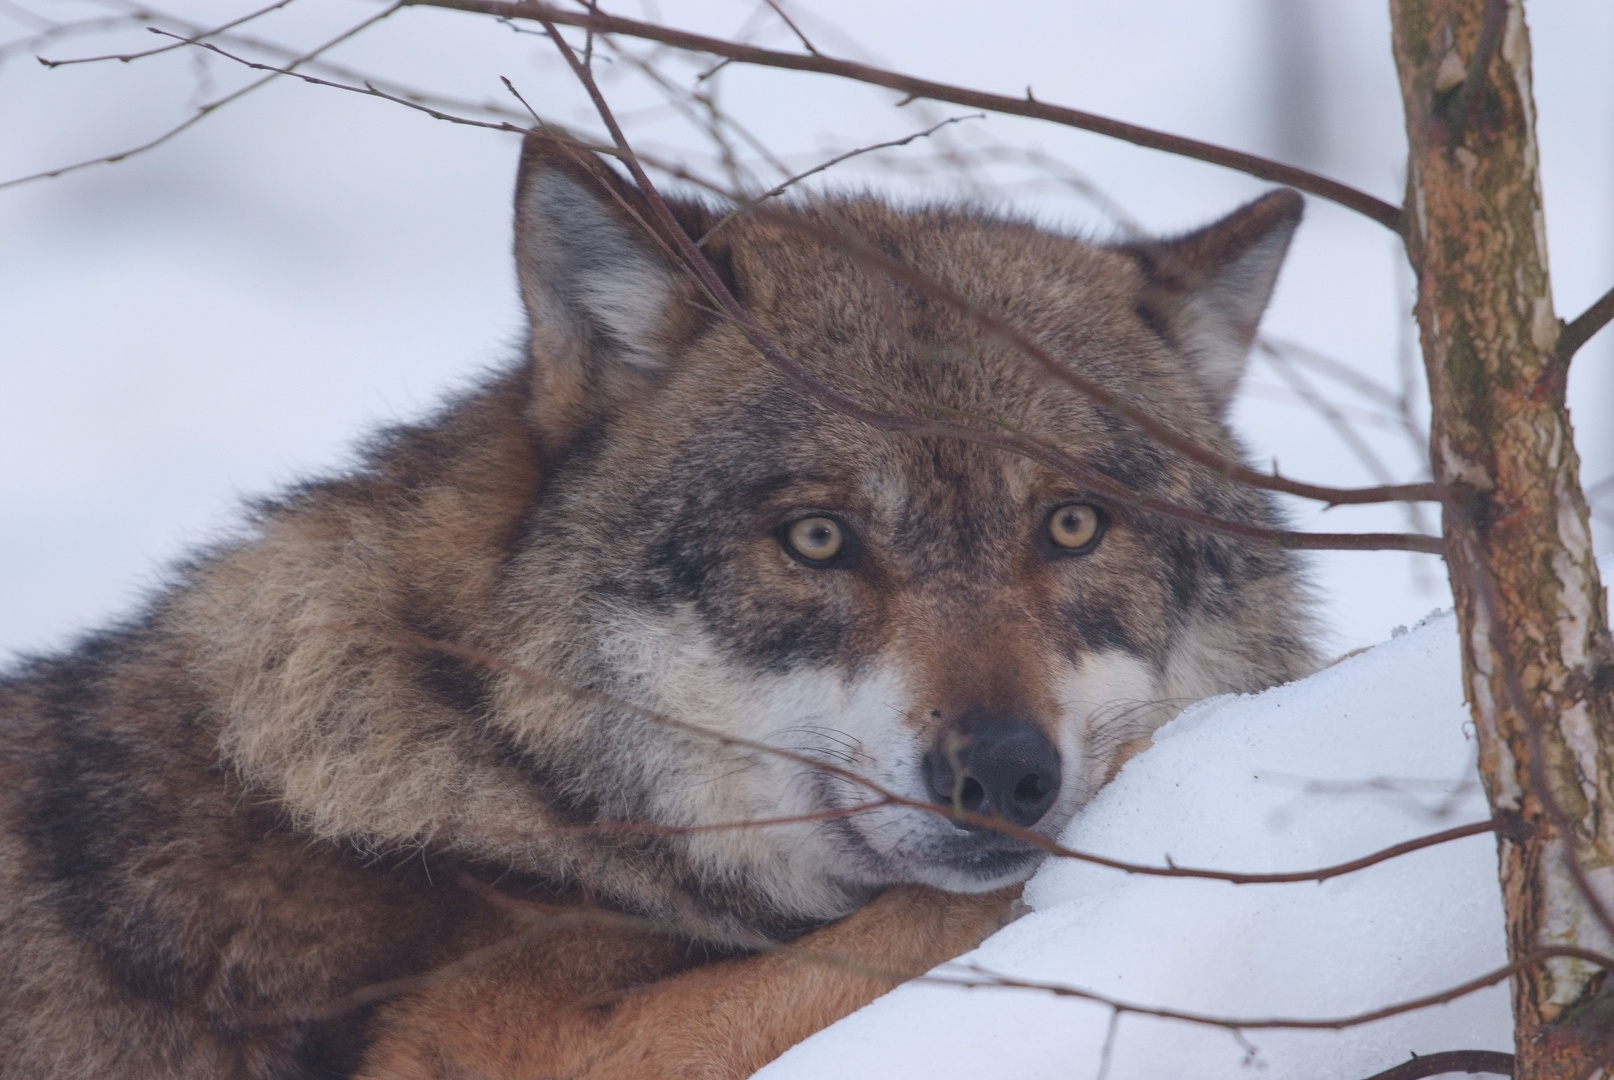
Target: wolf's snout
(994, 766)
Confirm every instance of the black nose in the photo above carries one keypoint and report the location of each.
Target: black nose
(995, 766)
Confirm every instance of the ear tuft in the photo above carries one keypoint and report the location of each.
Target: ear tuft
(587, 267)
(1206, 290)
(606, 305)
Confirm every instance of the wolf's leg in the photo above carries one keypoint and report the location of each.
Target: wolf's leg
(522, 1019)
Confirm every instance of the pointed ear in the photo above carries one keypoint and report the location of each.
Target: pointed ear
(606, 303)
(1205, 291)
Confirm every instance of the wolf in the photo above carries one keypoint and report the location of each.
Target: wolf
(642, 712)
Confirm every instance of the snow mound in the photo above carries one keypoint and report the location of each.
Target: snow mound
(1372, 751)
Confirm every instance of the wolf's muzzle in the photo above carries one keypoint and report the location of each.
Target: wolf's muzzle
(995, 766)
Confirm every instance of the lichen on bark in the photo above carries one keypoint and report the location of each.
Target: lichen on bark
(1537, 654)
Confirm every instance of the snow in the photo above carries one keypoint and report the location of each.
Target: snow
(1372, 751)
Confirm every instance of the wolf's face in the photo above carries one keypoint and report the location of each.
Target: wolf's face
(719, 564)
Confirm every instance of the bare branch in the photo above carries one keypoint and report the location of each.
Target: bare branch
(1108, 1048)
(126, 57)
(369, 89)
(646, 828)
(1584, 327)
(1500, 823)
(1276, 172)
(22, 14)
(780, 189)
(48, 32)
(327, 67)
(987, 978)
(207, 110)
(1450, 1061)
(779, 11)
(1335, 418)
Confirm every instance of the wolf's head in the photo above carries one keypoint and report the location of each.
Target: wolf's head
(704, 600)
(721, 562)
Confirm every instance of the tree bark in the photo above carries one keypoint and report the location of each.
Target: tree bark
(1537, 662)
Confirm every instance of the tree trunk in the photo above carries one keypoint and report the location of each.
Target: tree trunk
(1537, 663)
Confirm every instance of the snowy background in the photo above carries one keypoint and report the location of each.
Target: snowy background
(232, 310)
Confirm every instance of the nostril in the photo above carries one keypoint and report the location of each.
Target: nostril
(995, 767)
(1030, 789)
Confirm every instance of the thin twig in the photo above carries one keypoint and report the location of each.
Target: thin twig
(1377, 209)
(678, 95)
(126, 57)
(329, 68)
(780, 189)
(647, 828)
(22, 14)
(207, 110)
(369, 89)
(588, 39)
(1110, 1031)
(54, 31)
(779, 11)
(991, 979)
(1336, 419)
(538, 920)
(1337, 370)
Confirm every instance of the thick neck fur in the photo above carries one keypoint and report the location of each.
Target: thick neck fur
(327, 702)
(313, 678)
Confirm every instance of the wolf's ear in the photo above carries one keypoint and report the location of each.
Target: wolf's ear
(1206, 291)
(606, 304)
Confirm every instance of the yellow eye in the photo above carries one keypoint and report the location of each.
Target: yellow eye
(816, 538)
(1074, 527)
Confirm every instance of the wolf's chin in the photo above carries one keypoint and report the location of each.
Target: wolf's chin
(983, 872)
(957, 861)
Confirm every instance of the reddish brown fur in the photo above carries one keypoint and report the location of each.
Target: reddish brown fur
(603, 1001)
